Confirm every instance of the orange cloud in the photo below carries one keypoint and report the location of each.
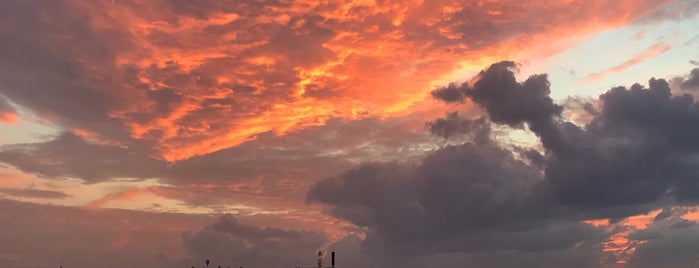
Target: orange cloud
(619, 244)
(691, 216)
(213, 75)
(7, 118)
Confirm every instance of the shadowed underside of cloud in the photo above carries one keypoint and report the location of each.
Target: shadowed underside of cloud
(639, 152)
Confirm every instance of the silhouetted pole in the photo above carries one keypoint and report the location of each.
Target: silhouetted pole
(332, 259)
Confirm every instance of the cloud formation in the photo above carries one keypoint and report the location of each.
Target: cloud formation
(635, 155)
(241, 107)
(185, 80)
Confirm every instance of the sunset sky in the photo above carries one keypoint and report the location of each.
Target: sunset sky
(254, 133)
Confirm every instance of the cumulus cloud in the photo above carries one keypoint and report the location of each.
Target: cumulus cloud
(635, 154)
(637, 133)
(688, 84)
(692, 81)
(468, 198)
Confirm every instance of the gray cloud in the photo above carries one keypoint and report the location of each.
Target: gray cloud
(635, 154)
(70, 156)
(692, 81)
(639, 132)
(453, 125)
(509, 102)
(468, 198)
(671, 244)
(450, 93)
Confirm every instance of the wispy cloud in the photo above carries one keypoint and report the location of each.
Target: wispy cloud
(647, 54)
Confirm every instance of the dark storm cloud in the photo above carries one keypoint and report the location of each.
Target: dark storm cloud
(468, 198)
(34, 193)
(507, 101)
(637, 148)
(637, 153)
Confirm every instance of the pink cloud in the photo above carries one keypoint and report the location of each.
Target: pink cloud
(638, 58)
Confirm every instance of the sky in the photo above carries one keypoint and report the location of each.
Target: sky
(163, 133)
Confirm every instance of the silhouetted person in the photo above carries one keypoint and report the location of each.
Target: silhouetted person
(207, 263)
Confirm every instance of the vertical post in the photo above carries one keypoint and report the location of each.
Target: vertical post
(320, 259)
(332, 260)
